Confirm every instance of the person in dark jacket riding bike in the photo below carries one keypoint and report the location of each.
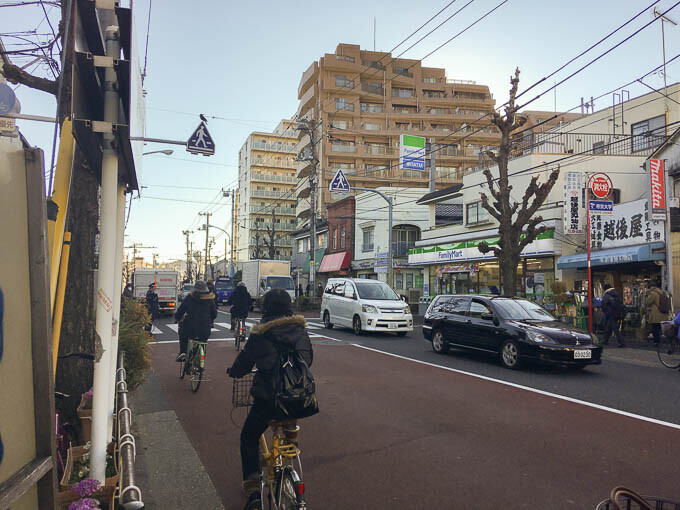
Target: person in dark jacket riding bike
(278, 327)
(240, 304)
(195, 317)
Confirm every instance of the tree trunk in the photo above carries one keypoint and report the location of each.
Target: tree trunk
(74, 375)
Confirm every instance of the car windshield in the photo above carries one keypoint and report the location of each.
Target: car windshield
(280, 282)
(380, 291)
(521, 310)
(224, 284)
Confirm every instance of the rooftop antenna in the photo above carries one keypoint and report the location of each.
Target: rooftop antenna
(663, 49)
(374, 39)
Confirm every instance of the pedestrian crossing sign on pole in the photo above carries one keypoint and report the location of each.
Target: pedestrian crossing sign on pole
(200, 142)
(339, 183)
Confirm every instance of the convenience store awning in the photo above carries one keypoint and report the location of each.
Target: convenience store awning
(623, 255)
(335, 262)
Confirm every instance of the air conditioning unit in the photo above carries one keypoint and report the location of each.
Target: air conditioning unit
(414, 295)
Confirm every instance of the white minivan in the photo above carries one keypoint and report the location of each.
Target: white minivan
(364, 305)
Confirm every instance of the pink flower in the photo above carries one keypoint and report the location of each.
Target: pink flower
(86, 487)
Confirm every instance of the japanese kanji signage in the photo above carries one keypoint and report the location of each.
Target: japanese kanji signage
(657, 188)
(600, 185)
(631, 223)
(572, 203)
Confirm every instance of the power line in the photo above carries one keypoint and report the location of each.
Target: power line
(146, 48)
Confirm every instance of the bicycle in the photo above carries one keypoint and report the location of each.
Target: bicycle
(285, 489)
(668, 350)
(194, 364)
(240, 333)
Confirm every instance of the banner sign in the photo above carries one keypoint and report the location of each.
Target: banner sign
(630, 224)
(657, 186)
(572, 203)
(412, 152)
(601, 207)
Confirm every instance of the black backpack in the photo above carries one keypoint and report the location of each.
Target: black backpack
(664, 302)
(618, 308)
(294, 387)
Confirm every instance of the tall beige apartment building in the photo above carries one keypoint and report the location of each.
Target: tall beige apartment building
(266, 193)
(362, 101)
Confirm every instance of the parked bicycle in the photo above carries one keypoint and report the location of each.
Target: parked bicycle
(668, 350)
(194, 364)
(283, 483)
(240, 333)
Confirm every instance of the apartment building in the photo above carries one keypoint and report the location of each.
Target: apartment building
(266, 194)
(362, 101)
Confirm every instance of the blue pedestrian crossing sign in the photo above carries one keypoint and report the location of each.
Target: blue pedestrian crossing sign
(200, 142)
(339, 183)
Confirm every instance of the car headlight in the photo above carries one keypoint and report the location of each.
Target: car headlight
(369, 309)
(539, 338)
(407, 310)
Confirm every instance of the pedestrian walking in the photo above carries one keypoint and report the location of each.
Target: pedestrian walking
(127, 292)
(658, 307)
(308, 289)
(152, 302)
(614, 313)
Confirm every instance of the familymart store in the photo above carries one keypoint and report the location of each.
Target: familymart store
(454, 265)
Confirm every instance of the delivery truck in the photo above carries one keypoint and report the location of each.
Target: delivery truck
(261, 276)
(166, 281)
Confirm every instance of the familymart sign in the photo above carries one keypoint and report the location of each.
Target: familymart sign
(544, 244)
(412, 152)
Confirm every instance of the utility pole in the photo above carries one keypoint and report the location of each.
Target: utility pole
(433, 169)
(154, 255)
(135, 247)
(186, 234)
(663, 50)
(207, 228)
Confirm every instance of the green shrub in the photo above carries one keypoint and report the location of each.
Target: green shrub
(133, 340)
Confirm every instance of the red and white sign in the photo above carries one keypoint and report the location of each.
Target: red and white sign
(601, 185)
(657, 189)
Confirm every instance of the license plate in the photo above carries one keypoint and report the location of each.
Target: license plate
(582, 354)
(393, 325)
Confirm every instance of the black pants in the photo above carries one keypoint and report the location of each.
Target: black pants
(612, 328)
(184, 336)
(256, 423)
(656, 331)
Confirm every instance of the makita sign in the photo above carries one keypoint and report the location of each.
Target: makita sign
(657, 200)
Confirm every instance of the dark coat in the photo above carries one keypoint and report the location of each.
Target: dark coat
(200, 311)
(272, 333)
(152, 303)
(611, 303)
(239, 301)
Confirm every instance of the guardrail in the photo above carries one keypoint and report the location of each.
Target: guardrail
(130, 495)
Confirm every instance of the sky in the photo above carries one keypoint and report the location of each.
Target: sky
(242, 61)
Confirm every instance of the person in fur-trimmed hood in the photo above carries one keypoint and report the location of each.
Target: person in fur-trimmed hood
(278, 327)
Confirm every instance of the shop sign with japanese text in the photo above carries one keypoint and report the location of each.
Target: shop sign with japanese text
(572, 203)
(657, 187)
(630, 224)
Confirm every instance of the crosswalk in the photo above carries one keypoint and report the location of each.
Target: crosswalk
(158, 329)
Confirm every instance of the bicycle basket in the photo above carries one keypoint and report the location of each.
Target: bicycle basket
(240, 396)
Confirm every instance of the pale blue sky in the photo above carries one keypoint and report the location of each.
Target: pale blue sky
(243, 60)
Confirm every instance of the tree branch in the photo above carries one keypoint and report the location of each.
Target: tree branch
(532, 232)
(492, 211)
(489, 180)
(18, 76)
(484, 248)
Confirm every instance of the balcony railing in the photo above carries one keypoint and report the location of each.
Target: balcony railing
(378, 150)
(402, 71)
(279, 163)
(373, 89)
(279, 227)
(366, 247)
(283, 147)
(289, 211)
(338, 147)
(344, 106)
(277, 242)
(373, 64)
(372, 108)
(273, 178)
(344, 83)
(270, 194)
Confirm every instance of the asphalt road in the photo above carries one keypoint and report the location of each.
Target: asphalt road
(403, 427)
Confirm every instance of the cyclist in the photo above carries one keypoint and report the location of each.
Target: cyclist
(278, 326)
(195, 316)
(240, 303)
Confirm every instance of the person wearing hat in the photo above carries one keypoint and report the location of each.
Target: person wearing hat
(240, 303)
(195, 316)
(152, 302)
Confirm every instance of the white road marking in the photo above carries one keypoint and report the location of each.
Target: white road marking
(533, 390)
(224, 325)
(173, 327)
(155, 331)
(209, 341)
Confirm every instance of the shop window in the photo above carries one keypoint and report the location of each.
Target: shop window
(399, 281)
(475, 214)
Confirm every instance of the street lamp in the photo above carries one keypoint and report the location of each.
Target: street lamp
(204, 226)
(167, 152)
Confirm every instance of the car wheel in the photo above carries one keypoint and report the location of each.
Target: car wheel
(327, 320)
(401, 333)
(510, 355)
(439, 345)
(356, 325)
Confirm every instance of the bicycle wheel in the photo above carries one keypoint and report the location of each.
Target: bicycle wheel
(285, 490)
(668, 350)
(237, 338)
(196, 370)
(181, 368)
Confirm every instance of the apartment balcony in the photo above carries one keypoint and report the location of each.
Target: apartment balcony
(372, 108)
(307, 76)
(271, 162)
(402, 71)
(379, 150)
(373, 64)
(256, 193)
(307, 99)
(347, 107)
(285, 179)
(267, 209)
(340, 63)
(303, 209)
(303, 189)
(372, 89)
(304, 168)
(276, 146)
(339, 147)
(279, 227)
(278, 242)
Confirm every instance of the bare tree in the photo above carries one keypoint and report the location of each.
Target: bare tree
(270, 236)
(518, 223)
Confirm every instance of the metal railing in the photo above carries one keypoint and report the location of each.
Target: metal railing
(371, 108)
(374, 89)
(273, 178)
(269, 194)
(402, 71)
(130, 494)
(339, 147)
(344, 106)
(344, 83)
(267, 209)
(283, 147)
(373, 64)
(279, 163)
(378, 150)
(263, 225)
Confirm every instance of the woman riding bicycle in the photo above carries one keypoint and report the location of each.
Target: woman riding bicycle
(278, 327)
(195, 316)
(240, 304)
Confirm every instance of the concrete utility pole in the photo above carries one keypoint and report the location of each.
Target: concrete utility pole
(433, 169)
(207, 228)
(154, 255)
(186, 234)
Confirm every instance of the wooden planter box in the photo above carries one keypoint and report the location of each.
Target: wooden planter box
(105, 495)
(85, 416)
(75, 453)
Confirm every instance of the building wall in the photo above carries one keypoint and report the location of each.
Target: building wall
(341, 219)
(267, 184)
(363, 101)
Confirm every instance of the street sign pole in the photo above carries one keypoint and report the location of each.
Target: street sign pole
(590, 275)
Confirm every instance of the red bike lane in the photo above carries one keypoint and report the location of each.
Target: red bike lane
(393, 433)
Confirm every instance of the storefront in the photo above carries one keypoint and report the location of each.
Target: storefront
(460, 268)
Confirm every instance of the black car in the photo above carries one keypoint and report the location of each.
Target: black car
(516, 329)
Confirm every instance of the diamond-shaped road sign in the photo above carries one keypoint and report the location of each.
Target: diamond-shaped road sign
(200, 142)
(339, 183)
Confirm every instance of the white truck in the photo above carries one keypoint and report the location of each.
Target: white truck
(263, 275)
(166, 281)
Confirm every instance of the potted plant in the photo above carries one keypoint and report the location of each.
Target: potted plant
(87, 494)
(85, 414)
(78, 466)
